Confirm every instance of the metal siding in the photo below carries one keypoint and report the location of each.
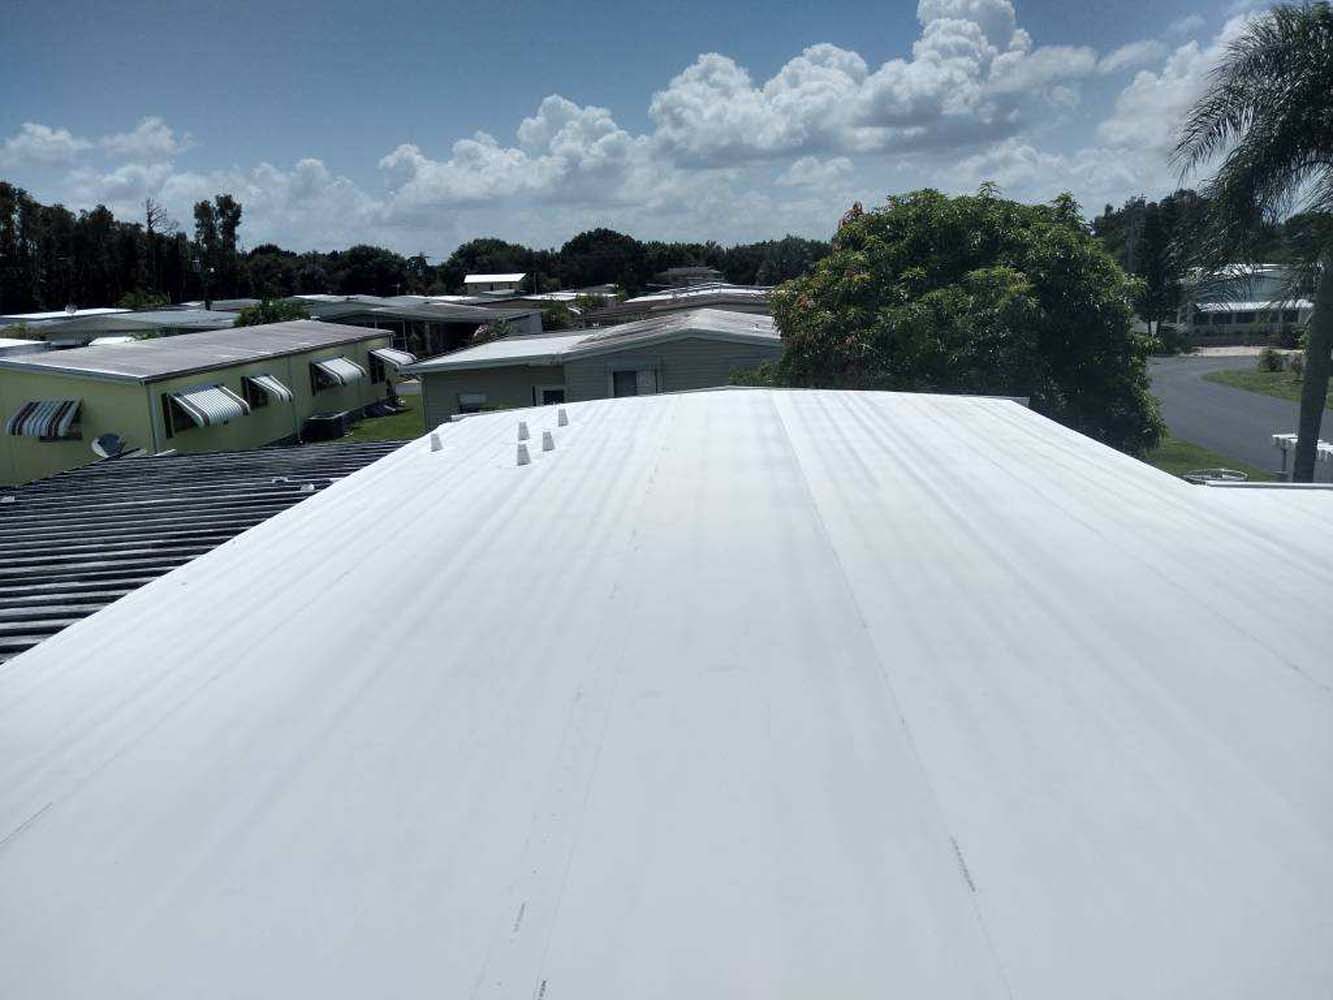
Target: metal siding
(507, 386)
(691, 363)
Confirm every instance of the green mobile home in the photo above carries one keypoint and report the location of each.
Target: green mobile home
(225, 390)
(699, 349)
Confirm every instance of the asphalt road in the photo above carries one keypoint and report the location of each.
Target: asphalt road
(1232, 422)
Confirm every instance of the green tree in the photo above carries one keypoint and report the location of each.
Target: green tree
(271, 311)
(974, 294)
(1268, 113)
(557, 316)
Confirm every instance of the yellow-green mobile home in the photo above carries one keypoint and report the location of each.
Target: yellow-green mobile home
(225, 390)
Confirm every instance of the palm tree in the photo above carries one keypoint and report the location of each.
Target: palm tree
(1268, 113)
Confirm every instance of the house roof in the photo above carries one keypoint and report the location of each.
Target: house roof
(800, 693)
(550, 349)
(130, 322)
(162, 357)
(481, 279)
(534, 349)
(58, 314)
(74, 543)
(1254, 306)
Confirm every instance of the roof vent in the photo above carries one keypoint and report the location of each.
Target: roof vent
(523, 458)
(435, 442)
(522, 430)
(548, 442)
(561, 417)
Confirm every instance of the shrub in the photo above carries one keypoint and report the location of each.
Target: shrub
(1296, 365)
(1171, 340)
(1270, 360)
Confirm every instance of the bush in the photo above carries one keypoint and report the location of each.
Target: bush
(1171, 340)
(1288, 337)
(1296, 365)
(763, 376)
(557, 317)
(1270, 360)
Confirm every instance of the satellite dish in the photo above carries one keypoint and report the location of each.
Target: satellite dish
(108, 446)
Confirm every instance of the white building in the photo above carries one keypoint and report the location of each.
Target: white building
(737, 693)
(1243, 301)
(475, 283)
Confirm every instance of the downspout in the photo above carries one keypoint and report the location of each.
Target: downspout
(152, 416)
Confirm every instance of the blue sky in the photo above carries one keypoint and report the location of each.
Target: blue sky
(349, 122)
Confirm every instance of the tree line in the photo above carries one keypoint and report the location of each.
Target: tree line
(51, 257)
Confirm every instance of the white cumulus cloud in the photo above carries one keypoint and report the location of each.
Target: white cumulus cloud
(151, 141)
(41, 145)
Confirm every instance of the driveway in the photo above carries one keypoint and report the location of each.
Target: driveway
(1232, 422)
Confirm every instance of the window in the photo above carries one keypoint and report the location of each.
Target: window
(330, 373)
(254, 395)
(46, 420)
(376, 370)
(1244, 317)
(624, 383)
(471, 402)
(1289, 315)
(1221, 319)
(548, 394)
(208, 405)
(634, 382)
(260, 390)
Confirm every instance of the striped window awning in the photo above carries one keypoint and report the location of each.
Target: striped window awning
(210, 405)
(48, 419)
(271, 387)
(340, 371)
(392, 357)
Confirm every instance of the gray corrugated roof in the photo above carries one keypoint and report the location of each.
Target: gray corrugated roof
(191, 352)
(74, 543)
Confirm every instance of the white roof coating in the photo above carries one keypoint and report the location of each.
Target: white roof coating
(1254, 306)
(733, 693)
(704, 290)
(537, 349)
(38, 317)
(498, 279)
(553, 349)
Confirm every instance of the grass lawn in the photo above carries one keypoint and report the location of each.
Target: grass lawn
(399, 427)
(1283, 385)
(1179, 457)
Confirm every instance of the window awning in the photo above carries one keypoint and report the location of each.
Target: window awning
(210, 405)
(393, 357)
(44, 418)
(340, 371)
(271, 387)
